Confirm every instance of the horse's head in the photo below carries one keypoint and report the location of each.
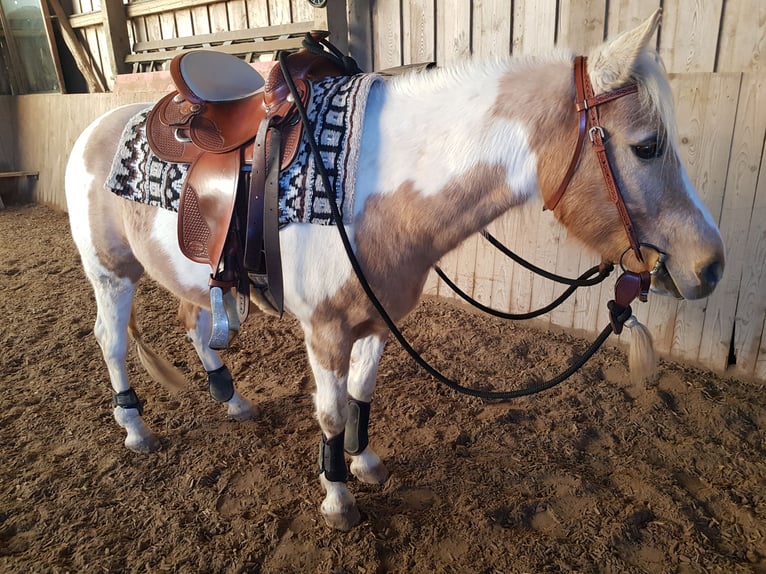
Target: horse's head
(679, 239)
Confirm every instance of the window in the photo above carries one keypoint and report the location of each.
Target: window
(28, 54)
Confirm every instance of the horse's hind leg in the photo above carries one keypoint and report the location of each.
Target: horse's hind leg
(198, 324)
(365, 464)
(114, 300)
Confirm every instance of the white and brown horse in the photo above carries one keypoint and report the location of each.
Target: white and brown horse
(443, 154)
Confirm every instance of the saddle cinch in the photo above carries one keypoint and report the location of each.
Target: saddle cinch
(236, 131)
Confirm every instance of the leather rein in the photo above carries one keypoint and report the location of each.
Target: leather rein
(629, 286)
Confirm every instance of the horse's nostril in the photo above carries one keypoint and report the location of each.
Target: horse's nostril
(711, 273)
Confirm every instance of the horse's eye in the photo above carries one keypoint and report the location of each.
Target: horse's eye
(648, 150)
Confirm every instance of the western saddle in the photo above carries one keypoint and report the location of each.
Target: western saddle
(237, 132)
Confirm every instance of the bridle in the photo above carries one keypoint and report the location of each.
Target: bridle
(630, 284)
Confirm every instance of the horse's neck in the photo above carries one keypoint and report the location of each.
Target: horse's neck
(444, 150)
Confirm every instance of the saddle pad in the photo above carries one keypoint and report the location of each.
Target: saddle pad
(139, 175)
(336, 111)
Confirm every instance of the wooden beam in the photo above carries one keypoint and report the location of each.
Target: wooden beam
(116, 31)
(262, 47)
(78, 52)
(52, 46)
(150, 7)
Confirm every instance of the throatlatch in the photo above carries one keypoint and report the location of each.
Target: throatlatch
(128, 400)
(332, 461)
(220, 384)
(358, 420)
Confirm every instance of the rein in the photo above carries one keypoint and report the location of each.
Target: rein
(629, 285)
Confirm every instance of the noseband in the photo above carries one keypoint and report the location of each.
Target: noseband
(630, 284)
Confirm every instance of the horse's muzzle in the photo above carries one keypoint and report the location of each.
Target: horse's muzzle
(708, 278)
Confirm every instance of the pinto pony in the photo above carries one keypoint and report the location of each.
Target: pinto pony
(443, 153)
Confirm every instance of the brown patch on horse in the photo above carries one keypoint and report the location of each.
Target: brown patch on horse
(399, 237)
(107, 230)
(187, 314)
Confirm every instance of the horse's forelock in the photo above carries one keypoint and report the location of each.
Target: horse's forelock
(654, 92)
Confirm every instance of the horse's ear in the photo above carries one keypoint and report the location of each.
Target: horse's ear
(610, 65)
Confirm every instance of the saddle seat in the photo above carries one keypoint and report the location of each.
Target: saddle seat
(207, 76)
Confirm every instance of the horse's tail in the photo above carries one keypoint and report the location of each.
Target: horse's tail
(159, 368)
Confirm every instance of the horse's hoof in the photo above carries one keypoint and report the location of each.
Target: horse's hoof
(344, 520)
(377, 474)
(240, 409)
(143, 444)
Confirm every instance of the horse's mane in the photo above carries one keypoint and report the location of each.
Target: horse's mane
(648, 72)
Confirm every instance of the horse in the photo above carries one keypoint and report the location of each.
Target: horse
(443, 153)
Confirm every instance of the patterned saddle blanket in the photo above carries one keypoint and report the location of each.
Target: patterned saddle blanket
(336, 113)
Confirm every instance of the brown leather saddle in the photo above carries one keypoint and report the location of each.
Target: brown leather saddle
(237, 131)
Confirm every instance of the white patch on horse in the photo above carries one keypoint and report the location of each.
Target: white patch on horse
(431, 137)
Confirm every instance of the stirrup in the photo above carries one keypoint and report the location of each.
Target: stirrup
(226, 318)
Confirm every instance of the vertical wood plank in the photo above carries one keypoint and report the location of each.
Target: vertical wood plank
(360, 33)
(581, 24)
(743, 37)
(302, 11)
(504, 230)
(280, 12)
(760, 365)
(184, 23)
(201, 20)
(744, 162)
(219, 18)
(153, 27)
(688, 34)
(453, 31)
(706, 116)
(236, 11)
(534, 32)
(168, 25)
(751, 306)
(491, 33)
(534, 26)
(627, 14)
(492, 28)
(452, 45)
(419, 34)
(387, 34)
(257, 13)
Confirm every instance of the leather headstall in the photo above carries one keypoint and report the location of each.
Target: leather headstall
(631, 284)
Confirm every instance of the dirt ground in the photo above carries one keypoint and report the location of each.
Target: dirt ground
(596, 475)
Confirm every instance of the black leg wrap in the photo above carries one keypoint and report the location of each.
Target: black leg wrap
(332, 460)
(220, 384)
(128, 400)
(357, 438)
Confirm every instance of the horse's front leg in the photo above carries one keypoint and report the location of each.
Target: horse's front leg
(365, 464)
(329, 359)
(198, 323)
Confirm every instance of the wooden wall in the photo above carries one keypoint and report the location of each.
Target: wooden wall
(163, 19)
(712, 48)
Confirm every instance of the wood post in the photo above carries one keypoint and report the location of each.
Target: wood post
(95, 84)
